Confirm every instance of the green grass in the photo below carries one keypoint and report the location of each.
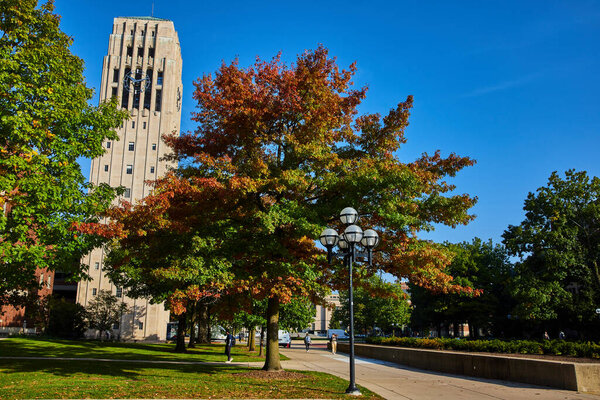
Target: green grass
(39, 347)
(84, 379)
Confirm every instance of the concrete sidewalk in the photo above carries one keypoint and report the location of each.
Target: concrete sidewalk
(394, 381)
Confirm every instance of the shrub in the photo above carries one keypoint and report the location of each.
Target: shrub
(551, 347)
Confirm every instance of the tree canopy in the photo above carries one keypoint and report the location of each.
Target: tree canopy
(46, 123)
(278, 152)
(558, 242)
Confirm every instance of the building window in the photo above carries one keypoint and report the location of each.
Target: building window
(140, 52)
(130, 49)
(106, 168)
(49, 282)
(132, 124)
(140, 325)
(114, 92)
(116, 325)
(41, 279)
(131, 32)
(151, 170)
(108, 145)
(151, 50)
(131, 146)
(152, 33)
(127, 193)
(97, 266)
(154, 146)
(119, 291)
(159, 78)
(116, 75)
(144, 126)
(158, 100)
(94, 291)
(129, 169)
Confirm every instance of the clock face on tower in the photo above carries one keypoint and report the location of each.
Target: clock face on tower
(137, 81)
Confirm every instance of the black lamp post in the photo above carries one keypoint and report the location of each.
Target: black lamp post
(350, 244)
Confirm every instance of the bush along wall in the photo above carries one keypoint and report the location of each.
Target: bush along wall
(552, 347)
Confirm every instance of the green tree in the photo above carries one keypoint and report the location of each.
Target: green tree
(381, 305)
(103, 311)
(46, 123)
(296, 315)
(65, 319)
(477, 264)
(558, 279)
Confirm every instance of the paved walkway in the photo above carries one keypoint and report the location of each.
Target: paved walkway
(394, 381)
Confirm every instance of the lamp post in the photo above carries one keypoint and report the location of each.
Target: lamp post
(352, 243)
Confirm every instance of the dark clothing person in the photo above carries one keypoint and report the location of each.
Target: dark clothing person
(307, 342)
(229, 341)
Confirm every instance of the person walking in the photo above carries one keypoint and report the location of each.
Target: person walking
(334, 343)
(307, 342)
(229, 341)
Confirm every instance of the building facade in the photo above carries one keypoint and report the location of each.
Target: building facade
(143, 71)
(323, 314)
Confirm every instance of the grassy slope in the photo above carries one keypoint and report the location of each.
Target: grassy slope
(82, 379)
(35, 347)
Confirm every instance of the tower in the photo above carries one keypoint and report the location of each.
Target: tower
(143, 70)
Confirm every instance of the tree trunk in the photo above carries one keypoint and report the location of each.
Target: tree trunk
(272, 359)
(192, 342)
(180, 347)
(262, 336)
(251, 339)
(203, 324)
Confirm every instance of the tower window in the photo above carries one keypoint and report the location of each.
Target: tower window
(129, 169)
(119, 291)
(131, 146)
(116, 75)
(94, 291)
(154, 146)
(157, 106)
(130, 49)
(106, 168)
(132, 124)
(159, 78)
(140, 325)
(152, 33)
(140, 52)
(127, 193)
(108, 145)
(114, 92)
(151, 170)
(151, 50)
(144, 125)
(97, 266)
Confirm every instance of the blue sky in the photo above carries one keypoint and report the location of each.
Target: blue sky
(512, 84)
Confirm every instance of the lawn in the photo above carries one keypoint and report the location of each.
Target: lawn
(84, 379)
(36, 347)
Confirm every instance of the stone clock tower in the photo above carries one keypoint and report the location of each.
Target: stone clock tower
(143, 70)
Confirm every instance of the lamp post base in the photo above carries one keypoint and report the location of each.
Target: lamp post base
(353, 391)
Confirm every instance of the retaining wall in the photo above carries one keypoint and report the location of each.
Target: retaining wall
(583, 377)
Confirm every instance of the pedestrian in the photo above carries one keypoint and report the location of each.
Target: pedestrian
(229, 341)
(241, 336)
(307, 342)
(546, 336)
(334, 343)
(561, 335)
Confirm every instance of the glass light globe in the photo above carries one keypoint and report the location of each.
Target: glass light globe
(353, 234)
(370, 239)
(329, 237)
(349, 216)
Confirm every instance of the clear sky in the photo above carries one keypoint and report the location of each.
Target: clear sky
(513, 84)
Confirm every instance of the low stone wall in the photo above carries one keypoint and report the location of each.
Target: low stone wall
(583, 377)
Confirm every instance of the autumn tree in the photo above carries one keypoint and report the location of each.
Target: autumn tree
(284, 148)
(46, 123)
(557, 280)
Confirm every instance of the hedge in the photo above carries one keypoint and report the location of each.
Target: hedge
(552, 347)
